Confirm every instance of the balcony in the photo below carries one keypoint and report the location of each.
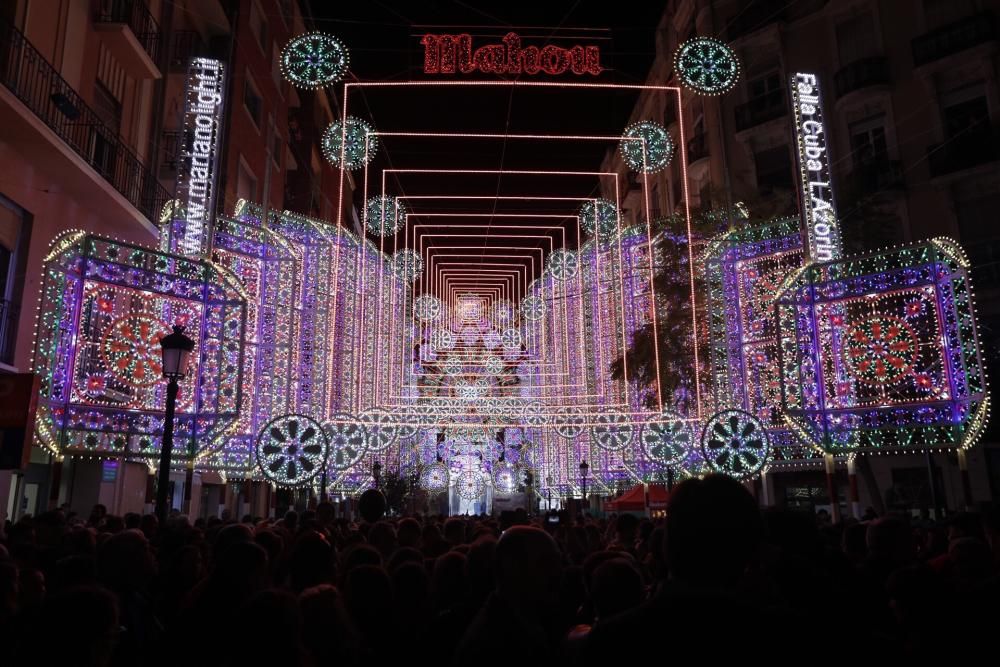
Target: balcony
(761, 109)
(697, 148)
(872, 178)
(861, 74)
(132, 35)
(756, 16)
(952, 38)
(44, 117)
(9, 313)
(963, 152)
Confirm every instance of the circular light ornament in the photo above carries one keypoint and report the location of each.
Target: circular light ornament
(533, 308)
(646, 147)
(493, 364)
(131, 350)
(706, 65)
(434, 477)
(511, 339)
(735, 443)
(355, 139)
(599, 217)
(881, 349)
(470, 485)
(453, 366)
(348, 441)
(380, 427)
(503, 311)
(384, 215)
(667, 442)
(563, 264)
(569, 422)
(291, 449)
(426, 307)
(442, 339)
(491, 340)
(314, 60)
(532, 414)
(505, 478)
(407, 265)
(612, 431)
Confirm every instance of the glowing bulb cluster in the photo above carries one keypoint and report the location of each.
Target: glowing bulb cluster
(355, 142)
(706, 66)
(314, 60)
(646, 147)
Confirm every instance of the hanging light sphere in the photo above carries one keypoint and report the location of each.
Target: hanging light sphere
(407, 265)
(599, 217)
(706, 66)
(384, 215)
(355, 142)
(646, 147)
(314, 60)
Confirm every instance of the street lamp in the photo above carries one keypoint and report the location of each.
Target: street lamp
(176, 349)
(548, 489)
(376, 472)
(584, 469)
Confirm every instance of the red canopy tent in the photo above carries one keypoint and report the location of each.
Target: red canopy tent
(634, 500)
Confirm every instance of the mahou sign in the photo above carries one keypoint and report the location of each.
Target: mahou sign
(453, 54)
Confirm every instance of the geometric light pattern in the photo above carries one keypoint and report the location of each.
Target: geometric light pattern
(706, 65)
(646, 147)
(314, 60)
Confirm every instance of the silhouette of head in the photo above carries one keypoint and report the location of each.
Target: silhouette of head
(712, 532)
(528, 567)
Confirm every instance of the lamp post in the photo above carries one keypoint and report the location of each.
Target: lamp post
(548, 490)
(376, 472)
(176, 349)
(584, 469)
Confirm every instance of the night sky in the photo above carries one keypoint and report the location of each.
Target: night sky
(384, 40)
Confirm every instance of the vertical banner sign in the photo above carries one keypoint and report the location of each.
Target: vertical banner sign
(818, 206)
(198, 173)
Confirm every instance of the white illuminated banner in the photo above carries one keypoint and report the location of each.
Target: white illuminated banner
(818, 205)
(198, 171)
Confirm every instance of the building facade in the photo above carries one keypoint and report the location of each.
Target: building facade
(911, 105)
(91, 104)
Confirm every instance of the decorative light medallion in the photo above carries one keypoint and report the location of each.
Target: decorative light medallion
(434, 477)
(668, 441)
(291, 449)
(706, 65)
(532, 415)
(132, 350)
(348, 440)
(881, 349)
(569, 422)
(381, 427)
(491, 340)
(470, 485)
(613, 431)
(356, 140)
(426, 307)
(407, 264)
(563, 264)
(503, 311)
(453, 366)
(599, 217)
(442, 339)
(646, 147)
(493, 364)
(505, 478)
(532, 308)
(384, 215)
(314, 60)
(510, 339)
(734, 442)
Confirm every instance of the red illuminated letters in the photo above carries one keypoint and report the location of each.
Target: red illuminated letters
(453, 54)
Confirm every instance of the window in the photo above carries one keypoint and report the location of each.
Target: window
(941, 12)
(252, 100)
(246, 182)
(966, 114)
(15, 235)
(765, 84)
(868, 141)
(856, 39)
(977, 229)
(774, 168)
(258, 25)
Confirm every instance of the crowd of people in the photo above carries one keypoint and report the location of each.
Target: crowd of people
(717, 578)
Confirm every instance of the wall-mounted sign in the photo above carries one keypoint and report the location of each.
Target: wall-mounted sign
(199, 169)
(453, 54)
(818, 205)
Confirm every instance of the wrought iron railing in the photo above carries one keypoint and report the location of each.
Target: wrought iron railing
(953, 38)
(28, 76)
(761, 109)
(135, 14)
(861, 74)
